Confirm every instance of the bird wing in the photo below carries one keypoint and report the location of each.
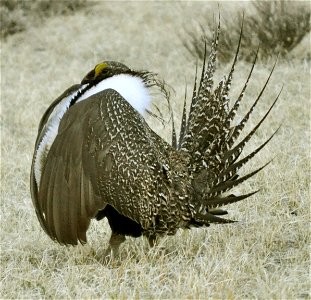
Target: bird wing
(103, 154)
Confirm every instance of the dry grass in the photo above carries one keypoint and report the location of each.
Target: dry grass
(279, 27)
(266, 255)
(18, 15)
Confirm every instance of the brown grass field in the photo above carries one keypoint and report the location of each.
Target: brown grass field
(264, 256)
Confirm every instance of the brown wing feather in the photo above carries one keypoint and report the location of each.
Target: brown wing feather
(104, 153)
(41, 132)
(65, 200)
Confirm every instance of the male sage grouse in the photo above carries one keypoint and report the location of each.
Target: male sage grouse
(95, 157)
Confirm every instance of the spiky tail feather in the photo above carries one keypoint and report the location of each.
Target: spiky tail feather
(208, 136)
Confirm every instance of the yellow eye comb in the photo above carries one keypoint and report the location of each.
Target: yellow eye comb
(98, 69)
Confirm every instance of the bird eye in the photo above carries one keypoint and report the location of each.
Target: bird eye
(92, 75)
(99, 69)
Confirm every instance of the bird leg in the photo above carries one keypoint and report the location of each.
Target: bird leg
(152, 239)
(114, 243)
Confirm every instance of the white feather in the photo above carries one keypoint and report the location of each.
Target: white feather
(129, 87)
(51, 128)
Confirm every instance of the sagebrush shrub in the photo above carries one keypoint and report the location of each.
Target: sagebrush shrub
(276, 26)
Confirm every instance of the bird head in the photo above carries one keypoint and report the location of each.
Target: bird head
(108, 69)
(105, 70)
(133, 85)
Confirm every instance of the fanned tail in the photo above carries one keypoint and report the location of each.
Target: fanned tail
(209, 137)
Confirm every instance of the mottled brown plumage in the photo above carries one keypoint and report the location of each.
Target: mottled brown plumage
(105, 161)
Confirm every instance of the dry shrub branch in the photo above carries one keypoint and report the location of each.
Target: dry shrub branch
(276, 26)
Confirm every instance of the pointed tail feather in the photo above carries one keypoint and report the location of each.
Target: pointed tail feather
(236, 105)
(233, 168)
(220, 201)
(183, 121)
(208, 218)
(227, 86)
(217, 211)
(174, 137)
(231, 155)
(225, 186)
(238, 129)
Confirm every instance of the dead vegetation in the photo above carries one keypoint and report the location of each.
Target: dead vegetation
(277, 27)
(18, 15)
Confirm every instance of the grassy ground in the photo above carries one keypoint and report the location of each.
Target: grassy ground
(266, 255)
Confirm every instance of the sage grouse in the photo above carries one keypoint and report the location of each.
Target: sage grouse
(95, 157)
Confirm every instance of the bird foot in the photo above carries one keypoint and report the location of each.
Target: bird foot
(113, 249)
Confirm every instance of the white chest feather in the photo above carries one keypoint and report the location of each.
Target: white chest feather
(129, 87)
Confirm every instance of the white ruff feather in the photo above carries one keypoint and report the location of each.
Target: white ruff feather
(129, 87)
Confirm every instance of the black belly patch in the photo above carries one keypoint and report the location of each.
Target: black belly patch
(119, 223)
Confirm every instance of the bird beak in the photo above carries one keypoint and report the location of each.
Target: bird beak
(89, 77)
